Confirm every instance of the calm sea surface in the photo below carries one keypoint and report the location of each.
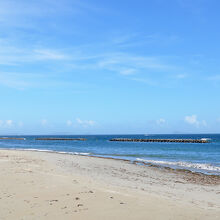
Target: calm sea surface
(195, 157)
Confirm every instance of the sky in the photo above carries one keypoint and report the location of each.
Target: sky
(109, 67)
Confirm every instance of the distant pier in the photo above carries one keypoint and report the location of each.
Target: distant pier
(61, 139)
(161, 140)
(11, 138)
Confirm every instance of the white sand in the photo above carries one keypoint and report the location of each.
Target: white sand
(40, 185)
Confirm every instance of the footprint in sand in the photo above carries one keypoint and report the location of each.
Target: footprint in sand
(54, 200)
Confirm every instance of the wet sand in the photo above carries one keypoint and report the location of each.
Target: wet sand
(42, 185)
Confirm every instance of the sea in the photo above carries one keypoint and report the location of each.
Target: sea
(196, 157)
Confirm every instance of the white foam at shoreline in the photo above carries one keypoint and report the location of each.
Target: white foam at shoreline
(206, 167)
(49, 151)
(201, 166)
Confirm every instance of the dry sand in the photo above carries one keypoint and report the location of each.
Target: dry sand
(42, 185)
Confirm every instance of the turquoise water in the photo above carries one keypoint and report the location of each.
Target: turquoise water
(195, 157)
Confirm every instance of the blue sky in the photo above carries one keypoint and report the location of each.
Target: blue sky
(107, 67)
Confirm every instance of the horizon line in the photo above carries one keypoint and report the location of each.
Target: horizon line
(106, 134)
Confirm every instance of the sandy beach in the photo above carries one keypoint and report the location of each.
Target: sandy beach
(43, 185)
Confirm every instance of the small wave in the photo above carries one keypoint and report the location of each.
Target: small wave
(206, 139)
(49, 151)
(77, 153)
(200, 166)
(32, 149)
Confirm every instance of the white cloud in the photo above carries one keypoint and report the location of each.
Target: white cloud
(85, 123)
(160, 121)
(44, 122)
(6, 123)
(9, 123)
(192, 120)
(69, 123)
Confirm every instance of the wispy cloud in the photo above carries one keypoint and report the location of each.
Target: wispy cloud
(214, 78)
(128, 71)
(45, 54)
(125, 64)
(138, 39)
(120, 61)
(13, 81)
(181, 76)
(121, 38)
(35, 19)
(25, 14)
(140, 68)
(15, 55)
(145, 80)
(23, 81)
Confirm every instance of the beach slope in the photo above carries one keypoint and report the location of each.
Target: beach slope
(43, 185)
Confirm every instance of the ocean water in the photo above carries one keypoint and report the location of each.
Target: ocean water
(196, 157)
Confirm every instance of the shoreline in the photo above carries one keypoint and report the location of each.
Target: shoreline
(105, 188)
(215, 177)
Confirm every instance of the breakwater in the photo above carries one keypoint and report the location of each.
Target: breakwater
(161, 140)
(11, 138)
(61, 139)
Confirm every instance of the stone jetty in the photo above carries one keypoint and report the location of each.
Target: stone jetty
(11, 138)
(161, 140)
(61, 139)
